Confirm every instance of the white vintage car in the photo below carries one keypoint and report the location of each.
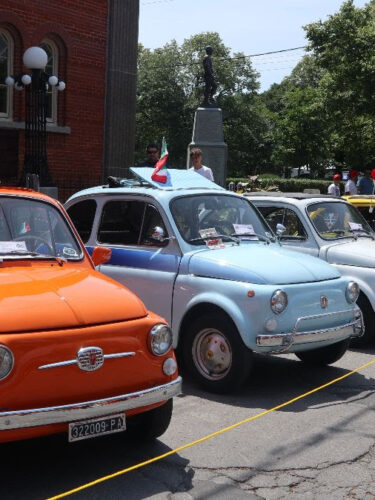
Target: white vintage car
(329, 228)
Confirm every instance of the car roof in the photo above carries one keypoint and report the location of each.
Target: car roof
(297, 196)
(181, 182)
(297, 199)
(26, 193)
(361, 199)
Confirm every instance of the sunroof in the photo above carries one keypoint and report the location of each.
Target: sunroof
(176, 179)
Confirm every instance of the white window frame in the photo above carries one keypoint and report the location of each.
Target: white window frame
(9, 112)
(55, 67)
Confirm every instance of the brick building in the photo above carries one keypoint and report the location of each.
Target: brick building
(92, 46)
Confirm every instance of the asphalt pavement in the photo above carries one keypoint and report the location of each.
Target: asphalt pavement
(321, 446)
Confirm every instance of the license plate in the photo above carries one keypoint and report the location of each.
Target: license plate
(86, 429)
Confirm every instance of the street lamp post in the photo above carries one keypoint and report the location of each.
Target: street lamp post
(36, 85)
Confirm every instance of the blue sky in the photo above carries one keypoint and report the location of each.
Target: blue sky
(248, 26)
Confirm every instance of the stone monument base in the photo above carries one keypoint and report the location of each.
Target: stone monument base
(208, 135)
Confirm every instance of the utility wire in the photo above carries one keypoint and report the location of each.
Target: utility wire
(196, 63)
(156, 1)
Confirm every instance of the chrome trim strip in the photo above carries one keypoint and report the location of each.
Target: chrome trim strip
(283, 341)
(20, 419)
(356, 313)
(75, 361)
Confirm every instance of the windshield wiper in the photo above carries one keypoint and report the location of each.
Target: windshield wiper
(292, 237)
(336, 231)
(259, 236)
(215, 237)
(20, 253)
(358, 232)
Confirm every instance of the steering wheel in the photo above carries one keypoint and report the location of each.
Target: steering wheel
(30, 237)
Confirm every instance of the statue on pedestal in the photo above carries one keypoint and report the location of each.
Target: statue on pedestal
(209, 78)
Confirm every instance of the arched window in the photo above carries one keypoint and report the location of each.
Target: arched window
(51, 69)
(6, 68)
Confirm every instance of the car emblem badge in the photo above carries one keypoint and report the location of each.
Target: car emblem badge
(90, 358)
(323, 301)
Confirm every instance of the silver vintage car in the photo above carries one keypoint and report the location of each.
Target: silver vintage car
(329, 228)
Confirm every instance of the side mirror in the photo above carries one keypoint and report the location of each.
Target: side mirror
(157, 234)
(101, 255)
(280, 229)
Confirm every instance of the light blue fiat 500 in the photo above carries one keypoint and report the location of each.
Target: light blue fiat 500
(206, 260)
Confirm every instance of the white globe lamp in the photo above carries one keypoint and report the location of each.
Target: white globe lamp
(26, 79)
(35, 58)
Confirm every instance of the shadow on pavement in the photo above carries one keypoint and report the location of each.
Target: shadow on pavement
(40, 468)
(277, 379)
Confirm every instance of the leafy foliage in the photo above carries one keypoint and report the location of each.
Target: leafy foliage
(322, 114)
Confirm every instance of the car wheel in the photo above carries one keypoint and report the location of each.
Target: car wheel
(324, 355)
(150, 424)
(214, 354)
(369, 323)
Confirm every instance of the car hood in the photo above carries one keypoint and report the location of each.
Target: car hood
(359, 253)
(260, 263)
(33, 299)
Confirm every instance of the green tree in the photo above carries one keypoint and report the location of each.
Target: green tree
(299, 124)
(344, 48)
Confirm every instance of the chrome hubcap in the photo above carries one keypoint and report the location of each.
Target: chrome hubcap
(212, 354)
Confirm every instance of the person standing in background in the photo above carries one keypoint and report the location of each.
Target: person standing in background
(334, 188)
(350, 186)
(153, 153)
(366, 184)
(196, 158)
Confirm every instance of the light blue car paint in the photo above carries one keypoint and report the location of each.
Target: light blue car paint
(174, 279)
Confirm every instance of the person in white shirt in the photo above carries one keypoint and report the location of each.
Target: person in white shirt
(351, 185)
(334, 188)
(196, 158)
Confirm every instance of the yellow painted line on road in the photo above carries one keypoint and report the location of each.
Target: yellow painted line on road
(206, 438)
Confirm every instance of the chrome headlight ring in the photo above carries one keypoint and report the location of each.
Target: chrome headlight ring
(6, 361)
(160, 339)
(352, 292)
(279, 301)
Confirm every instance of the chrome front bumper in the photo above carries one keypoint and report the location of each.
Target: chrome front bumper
(20, 419)
(282, 342)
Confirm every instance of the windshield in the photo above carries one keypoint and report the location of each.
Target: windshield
(37, 229)
(335, 220)
(227, 215)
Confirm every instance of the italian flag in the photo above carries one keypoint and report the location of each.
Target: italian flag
(160, 172)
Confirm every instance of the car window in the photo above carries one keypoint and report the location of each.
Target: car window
(152, 220)
(334, 220)
(121, 222)
(227, 215)
(288, 218)
(82, 215)
(369, 214)
(34, 228)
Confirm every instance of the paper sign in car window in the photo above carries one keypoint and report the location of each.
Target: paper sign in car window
(355, 226)
(211, 238)
(12, 246)
(245, 230)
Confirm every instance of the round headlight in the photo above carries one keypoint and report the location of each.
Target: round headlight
(279, 301)
(6, 361)
(160, 339)
(352, 292)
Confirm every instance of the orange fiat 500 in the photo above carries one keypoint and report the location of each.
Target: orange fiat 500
(79, 353)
